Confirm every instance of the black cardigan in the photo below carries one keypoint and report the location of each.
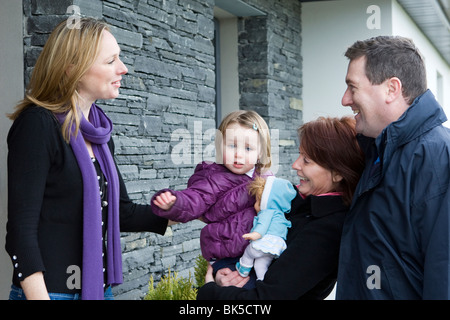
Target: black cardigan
(45, 192)
(307, 269)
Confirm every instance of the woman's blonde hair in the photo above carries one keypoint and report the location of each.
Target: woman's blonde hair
(252, 120)
(68, 53)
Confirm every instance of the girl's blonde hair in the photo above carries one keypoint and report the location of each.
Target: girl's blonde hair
(68, 53)
(252, 120)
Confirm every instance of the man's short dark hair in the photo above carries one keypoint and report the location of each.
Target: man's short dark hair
(392, 56)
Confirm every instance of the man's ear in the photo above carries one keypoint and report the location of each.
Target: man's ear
(394, 89)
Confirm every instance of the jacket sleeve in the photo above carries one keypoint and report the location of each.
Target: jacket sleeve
(306, 269)
(31, 148)
(430, 211)
(192, 202)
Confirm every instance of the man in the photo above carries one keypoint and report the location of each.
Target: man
(396, 237)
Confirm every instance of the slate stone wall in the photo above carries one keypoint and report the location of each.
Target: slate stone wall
(167, 100)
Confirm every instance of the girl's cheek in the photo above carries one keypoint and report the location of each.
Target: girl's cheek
(252, 159)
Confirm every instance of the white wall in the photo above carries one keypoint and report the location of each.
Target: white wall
(11, 91)
(329, 27)
(403, 25)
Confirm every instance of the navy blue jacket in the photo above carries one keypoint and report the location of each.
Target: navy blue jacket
(396, 237)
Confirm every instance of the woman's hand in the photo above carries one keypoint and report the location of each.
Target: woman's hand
(209, 274)
(225, 277)
(34, 287)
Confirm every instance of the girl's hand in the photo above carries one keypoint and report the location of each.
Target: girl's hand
(165, 200)
(252, 236)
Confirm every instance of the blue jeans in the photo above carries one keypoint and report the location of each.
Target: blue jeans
(18, 294)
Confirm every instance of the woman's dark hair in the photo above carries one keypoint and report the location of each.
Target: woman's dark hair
(332, 144)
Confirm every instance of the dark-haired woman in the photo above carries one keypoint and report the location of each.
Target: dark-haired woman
(329, 166)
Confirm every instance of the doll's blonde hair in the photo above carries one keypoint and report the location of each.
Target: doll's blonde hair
(252, 120)
(256, 188)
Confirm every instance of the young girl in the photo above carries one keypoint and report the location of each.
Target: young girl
(217, 192)
(270, 226)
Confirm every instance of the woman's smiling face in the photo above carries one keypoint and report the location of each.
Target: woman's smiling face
(102, 80)
(314, 179)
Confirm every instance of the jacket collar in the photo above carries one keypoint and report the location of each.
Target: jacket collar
(424, 114)
(318, 206)
(322, 206)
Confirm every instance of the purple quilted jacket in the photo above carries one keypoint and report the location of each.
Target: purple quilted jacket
(220, 198)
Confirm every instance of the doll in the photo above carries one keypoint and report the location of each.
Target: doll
(268, 235)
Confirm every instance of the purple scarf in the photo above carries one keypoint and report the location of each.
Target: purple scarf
(98, 131)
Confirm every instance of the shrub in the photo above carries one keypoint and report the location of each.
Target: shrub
(172, 287)
(201, 265)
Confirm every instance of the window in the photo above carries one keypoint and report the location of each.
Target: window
(439, 88)
(226, 13)
(226, 54)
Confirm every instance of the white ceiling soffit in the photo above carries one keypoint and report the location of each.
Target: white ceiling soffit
(433, 18)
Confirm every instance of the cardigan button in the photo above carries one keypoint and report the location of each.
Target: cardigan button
(104, 203)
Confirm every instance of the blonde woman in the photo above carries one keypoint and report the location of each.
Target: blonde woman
(217, 191)
(65, 194)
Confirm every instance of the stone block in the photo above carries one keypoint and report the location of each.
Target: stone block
(126, 37)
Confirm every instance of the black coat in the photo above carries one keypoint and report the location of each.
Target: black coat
(307, 269)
